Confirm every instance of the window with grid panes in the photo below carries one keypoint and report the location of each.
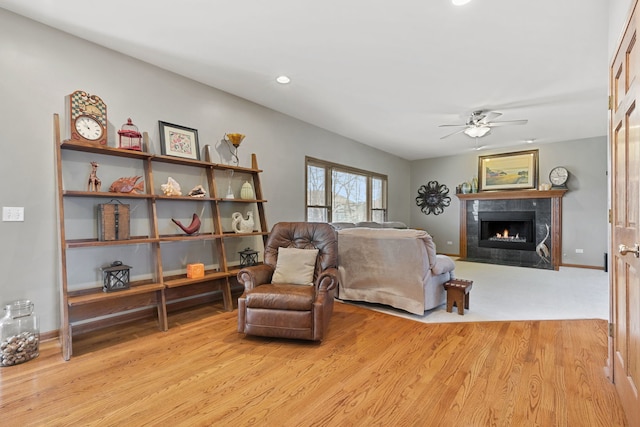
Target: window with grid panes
(338, 193)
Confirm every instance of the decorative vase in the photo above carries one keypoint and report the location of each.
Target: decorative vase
(246, 192)
(474, 185)
(466, 188)
(19, 333)
(229, 190)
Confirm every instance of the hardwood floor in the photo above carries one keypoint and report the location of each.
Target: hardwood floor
(373, 369)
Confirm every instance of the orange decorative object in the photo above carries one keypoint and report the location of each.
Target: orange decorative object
(195, 271)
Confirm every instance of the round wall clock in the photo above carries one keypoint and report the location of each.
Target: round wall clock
(88, 128)
(558, 177)
(87, 117)
(433, 198)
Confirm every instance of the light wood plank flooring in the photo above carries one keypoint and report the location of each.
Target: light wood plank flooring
(372, 370)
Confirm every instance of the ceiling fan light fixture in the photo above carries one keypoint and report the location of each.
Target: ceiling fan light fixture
(477, 131)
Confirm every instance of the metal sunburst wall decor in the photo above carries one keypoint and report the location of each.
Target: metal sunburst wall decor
(433, 198)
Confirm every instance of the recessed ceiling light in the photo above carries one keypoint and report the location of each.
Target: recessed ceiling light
(460, 2)
(529, 141)
(283, 80)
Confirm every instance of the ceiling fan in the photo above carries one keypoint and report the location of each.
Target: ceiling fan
(480, 123)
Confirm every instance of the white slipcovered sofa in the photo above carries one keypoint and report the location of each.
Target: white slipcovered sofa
(396, 267)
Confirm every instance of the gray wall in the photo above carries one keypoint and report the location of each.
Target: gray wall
(618, 12)
(39, 66)
(584, 224)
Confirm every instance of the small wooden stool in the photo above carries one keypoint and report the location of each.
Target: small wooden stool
(458, 294)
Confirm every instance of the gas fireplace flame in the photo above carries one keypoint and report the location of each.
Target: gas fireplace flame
(505, 235)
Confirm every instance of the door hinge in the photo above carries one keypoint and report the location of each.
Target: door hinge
(610, 102)
(611, 329)
(610, 216)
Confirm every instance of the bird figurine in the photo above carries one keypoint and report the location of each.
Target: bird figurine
(241, 225)
(192, 228)
(542, 249)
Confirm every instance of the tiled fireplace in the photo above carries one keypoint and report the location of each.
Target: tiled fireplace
(520, 228)
(510, 229)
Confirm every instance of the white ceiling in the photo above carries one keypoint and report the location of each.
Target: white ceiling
(382, 73)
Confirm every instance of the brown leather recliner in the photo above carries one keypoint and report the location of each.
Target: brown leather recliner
(287, 310)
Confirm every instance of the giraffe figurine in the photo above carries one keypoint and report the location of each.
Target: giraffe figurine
(94, 181)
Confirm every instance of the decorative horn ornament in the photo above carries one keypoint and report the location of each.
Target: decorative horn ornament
(192, 228)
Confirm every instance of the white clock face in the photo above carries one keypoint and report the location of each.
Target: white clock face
(558, 176)
(88, 128)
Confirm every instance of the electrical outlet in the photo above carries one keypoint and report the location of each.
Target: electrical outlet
(12, 213)
(579, 251)
(449, 242)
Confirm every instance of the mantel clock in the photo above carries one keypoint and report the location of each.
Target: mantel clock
(559, 177)
(87, 117)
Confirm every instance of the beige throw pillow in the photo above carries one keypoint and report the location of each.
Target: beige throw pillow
(295, 266)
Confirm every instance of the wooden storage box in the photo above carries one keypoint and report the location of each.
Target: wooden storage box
(113, 221)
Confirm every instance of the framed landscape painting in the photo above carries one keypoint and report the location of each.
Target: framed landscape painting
(508, 171)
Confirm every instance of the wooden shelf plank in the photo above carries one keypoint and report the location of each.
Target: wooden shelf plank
(74, 193)
(185, 237)
(185, 281)
(242, 200)
(236, 168)
(233, 234)
(182, 161)
(96, 295)
(184, 198)
(85, 243)
(75, 145)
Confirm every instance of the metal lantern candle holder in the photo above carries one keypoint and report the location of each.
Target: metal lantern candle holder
(248, 257)
(116, 277)
(130, 138)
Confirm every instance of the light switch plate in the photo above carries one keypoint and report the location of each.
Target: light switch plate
(10, 213)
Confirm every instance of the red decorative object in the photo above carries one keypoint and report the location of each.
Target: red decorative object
(191, 228)
(130, 138)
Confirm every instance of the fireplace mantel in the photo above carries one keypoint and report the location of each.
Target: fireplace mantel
(513, 194)
(556, 215)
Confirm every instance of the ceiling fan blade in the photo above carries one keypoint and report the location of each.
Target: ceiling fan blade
(454, 133)
(490, 116)
(508, 123)
(453, 126)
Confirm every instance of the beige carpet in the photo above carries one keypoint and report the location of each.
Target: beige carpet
(518, 293)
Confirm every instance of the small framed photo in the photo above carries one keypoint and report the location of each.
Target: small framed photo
(179, 141)
(508, 171)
